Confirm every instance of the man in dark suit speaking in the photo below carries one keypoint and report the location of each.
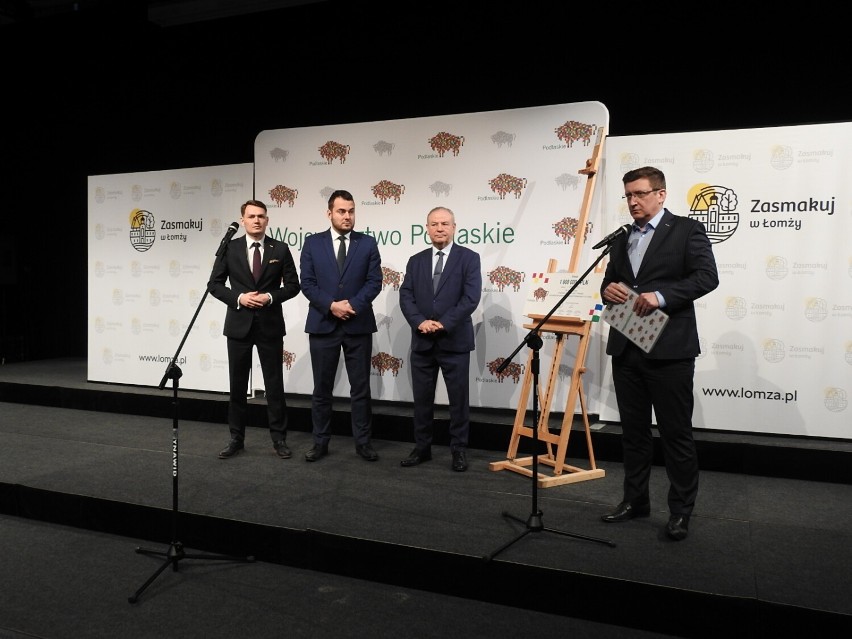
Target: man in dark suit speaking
(441, 290)
(668, 260)
(341, 273)
(254, 276)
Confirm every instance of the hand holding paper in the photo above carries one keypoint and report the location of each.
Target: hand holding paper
(641, 328)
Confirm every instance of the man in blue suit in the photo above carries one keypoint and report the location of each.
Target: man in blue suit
(668, 260)
(341, 275)
(441, 290)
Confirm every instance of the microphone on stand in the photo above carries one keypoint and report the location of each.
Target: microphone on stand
(233, 228)
(609, 238)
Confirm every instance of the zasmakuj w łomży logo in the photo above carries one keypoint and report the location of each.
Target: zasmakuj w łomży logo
(142, 232)
(716, 207)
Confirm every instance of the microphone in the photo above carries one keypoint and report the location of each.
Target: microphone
(223, 245)
(609, 238)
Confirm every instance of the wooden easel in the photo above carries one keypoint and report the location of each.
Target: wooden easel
(562, 328)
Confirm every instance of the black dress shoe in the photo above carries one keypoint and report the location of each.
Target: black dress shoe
(626, 511)
(366, 451)
(234, 446)
(417, 457)
(678, 527)
(459, 461)
(281, 448)
(316, 452)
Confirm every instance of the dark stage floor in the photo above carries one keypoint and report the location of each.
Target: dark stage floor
(356, 549)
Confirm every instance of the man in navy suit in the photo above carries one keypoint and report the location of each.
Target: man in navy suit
(341, 272)
(254, 319)
(441, 290)
(668, 260)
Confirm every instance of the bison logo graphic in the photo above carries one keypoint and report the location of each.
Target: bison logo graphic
(386, 190)
(501, 277)
(386, 362)
(288, 359)
(566, 228)
(513, 370)
(279, 154)
(443, 142)
(391, 278)
(331, 151)
(505, 183)
(499, 323)
(573, 131)
(281, 194)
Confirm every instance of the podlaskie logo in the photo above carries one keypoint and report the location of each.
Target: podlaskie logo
(383, 362)
(142, 232)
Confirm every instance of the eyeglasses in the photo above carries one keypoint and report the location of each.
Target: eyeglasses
(639, 195)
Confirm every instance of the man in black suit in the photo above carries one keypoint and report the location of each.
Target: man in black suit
(341, 272)
(441, 290)
(254, 292)
(668, 260)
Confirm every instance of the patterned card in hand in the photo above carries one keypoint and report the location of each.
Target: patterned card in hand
(642, 331)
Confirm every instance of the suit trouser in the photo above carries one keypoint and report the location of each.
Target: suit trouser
(325, 356)
(455, 368)
(664, 386)
(269, 353)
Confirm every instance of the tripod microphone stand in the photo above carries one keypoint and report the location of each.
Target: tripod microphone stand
(175, 552)
(534, 523)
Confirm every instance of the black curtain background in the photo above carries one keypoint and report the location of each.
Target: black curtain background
(105, 91)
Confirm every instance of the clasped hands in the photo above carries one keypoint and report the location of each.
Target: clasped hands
(430, 326)
(342, 309)
(254, 299)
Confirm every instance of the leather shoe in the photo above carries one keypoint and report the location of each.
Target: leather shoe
(234, 446)
(281, 448)
(316, 452)
(678, 527)
(417, 457)
(626, 511)
(459, 461)
(366, 451)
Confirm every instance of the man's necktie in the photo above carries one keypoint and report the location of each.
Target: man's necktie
(255, 261)
(439, 268)
(341, 252)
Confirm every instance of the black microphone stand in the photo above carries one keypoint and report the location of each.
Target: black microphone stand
(534, 522)
(175, 552)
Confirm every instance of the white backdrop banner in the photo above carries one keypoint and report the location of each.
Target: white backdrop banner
(776, 335)
(152, 240)
(511, 177)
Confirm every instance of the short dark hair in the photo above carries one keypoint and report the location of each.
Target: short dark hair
(256, 203)
(339, 193)
(656, 178)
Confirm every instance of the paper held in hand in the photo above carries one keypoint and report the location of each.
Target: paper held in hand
(642, 331)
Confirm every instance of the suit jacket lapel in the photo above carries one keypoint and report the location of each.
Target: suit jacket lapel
(329, 244)
(354, 241)
(244, 258)
(268, 249)
(657, 239)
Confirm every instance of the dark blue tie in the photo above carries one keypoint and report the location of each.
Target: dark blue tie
(341, 252)
(439, 268)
